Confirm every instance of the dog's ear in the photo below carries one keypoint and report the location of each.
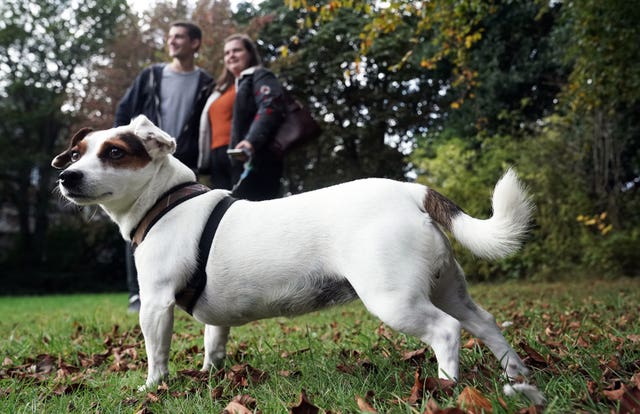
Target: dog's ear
(64, 159)
(157, 142)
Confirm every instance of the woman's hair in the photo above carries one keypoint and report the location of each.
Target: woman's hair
(226, 78)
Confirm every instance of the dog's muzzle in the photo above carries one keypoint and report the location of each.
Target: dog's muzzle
(70, 179)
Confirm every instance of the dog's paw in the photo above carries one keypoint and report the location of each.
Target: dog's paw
(216, 362)
(153, 385)
(529, 391)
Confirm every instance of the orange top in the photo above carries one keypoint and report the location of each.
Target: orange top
(220, 114)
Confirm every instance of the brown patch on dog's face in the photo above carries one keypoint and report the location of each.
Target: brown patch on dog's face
(76, 149)
(124, 151)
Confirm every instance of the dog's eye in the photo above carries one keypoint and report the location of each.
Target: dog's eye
(116, 153)
(74, 156)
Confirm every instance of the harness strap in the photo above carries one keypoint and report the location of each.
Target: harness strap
(172, 198)
(186, 299)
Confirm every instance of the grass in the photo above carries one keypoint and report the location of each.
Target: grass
(84, 353)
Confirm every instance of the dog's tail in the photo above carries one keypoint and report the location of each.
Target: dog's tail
(492, 238)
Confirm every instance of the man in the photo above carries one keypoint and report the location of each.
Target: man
(172, 97)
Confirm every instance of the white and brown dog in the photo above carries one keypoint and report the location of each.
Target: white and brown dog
(374, 239)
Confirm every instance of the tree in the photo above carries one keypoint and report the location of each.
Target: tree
(370, 111)
(110, 75)
(603, 95)
(44, 47)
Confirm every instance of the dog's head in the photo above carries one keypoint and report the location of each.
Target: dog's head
(99, 165)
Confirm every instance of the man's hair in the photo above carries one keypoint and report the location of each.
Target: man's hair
(193, 30)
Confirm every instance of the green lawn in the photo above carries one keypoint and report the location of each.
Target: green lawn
(85, 354)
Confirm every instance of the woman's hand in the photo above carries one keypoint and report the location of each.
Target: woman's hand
(247, 148)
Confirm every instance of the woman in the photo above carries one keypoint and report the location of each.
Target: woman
(243, 113)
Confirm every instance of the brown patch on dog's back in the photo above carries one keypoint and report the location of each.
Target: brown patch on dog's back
(124, 151)
(440, 208)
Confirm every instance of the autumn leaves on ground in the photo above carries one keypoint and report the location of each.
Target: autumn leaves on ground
(84, 353)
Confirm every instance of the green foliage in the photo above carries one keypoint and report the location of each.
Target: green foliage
(573, 161)
(82, 256)
(43, 47)
(369, 112)
(450, 92)
(601, 48)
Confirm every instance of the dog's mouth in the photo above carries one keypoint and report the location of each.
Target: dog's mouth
(81, 198)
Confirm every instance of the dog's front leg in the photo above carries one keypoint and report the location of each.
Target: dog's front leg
(156, 320)
(215, 346)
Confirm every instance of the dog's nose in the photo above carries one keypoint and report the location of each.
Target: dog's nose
(70, 178)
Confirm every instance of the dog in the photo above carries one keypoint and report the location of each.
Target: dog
(378, 240)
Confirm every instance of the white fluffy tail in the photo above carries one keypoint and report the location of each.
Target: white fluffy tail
(493, 238)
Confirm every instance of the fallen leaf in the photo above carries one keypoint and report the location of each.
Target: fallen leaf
(628, 396)
(417, 356)
(235, 407)
(194, 374)
(68, 389)
(292, 374)
(217, 393)
(437, 386)
(474, 402)
(304, 406)
(152, 397)
(472, 343)
(533, 357)
(244, 374)
(433, 408)
(417, 390)
(364, 403)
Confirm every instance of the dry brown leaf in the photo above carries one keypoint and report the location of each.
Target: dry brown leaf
(364, 403)
(194, 374)
(243, 375)
(634, 338)
(217, 392)
(417, 390)
(235, 407)
(533, 357)
(436, 386)
(433, 408)
(416, 356)
(471, 343)
(304, 406)
(292, 374)
(474, 402)
(627, 395)
(241, 404)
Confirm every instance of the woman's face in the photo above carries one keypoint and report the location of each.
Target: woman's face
(236, 57)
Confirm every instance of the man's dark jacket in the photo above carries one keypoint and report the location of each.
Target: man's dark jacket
(143, 97)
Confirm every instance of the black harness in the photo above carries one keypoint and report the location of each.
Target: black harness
(186, 298)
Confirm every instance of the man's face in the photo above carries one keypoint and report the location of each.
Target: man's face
(179, 43)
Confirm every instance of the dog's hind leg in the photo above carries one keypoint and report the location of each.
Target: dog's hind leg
(215, 345)
(412, 313)
(450, 294)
